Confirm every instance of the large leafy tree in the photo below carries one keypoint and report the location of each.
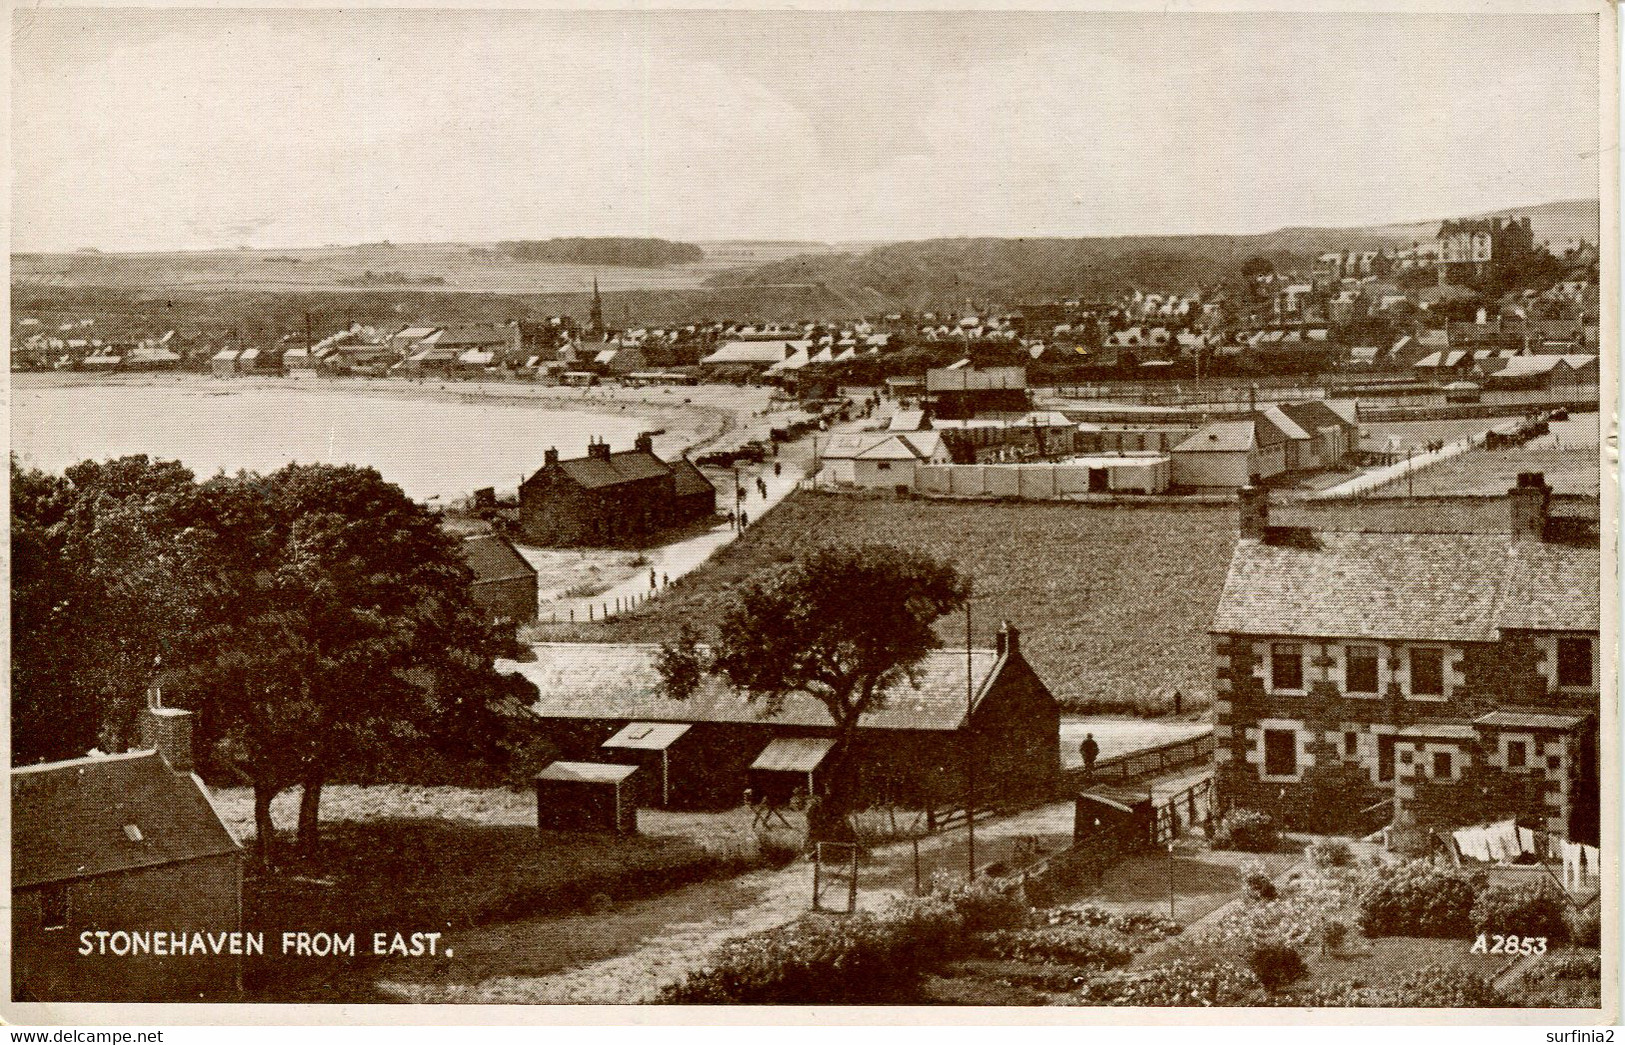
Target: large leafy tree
(113, 572)
(353, 635)
(843, 624)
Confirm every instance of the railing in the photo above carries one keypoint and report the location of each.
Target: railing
(1138, 765)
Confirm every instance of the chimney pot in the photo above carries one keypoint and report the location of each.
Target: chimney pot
(1008, 641)
(169, 732)
(552, 456)
(645, 442)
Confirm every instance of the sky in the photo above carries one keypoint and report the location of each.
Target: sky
(171, 130)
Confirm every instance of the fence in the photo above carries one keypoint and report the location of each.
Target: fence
(1147, 474)
(1138, 765)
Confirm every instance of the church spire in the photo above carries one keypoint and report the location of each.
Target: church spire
(595, 318)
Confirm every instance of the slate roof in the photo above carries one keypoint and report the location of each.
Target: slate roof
(601, 680)
(760, 352)
(850, 444)
(1408, 586)
(68, 819)
(624, 466)
(493, 558)
(689, 479)
(1553, 587)
(1514, 719)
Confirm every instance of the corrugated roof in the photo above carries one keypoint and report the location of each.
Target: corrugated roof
(1220, 437)
(597, 680)
(493, 558)
(587, 772)
(647, 736)
(850, 444)
(793, 754)
(68, 818)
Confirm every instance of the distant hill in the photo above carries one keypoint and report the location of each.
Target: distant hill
(623, 252)
(923, 273)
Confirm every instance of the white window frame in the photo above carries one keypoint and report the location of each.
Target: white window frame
(1299, 752)
(1533, 753)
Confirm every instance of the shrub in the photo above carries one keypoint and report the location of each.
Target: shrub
(1330, 854)
(1585, 927)
(1247, 831)
(1260, 887)
(1146, 925)
(1436, 986)
(1334, 937)
(1412, 898)
(1276, 965)
(989, 904)
(1535, 909)
(1058, 944)
(1571, 966)
(1179, 983)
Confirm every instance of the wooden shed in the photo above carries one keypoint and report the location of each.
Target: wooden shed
(1109, 815)
(586, 796)
(657, 747)
(788, 763)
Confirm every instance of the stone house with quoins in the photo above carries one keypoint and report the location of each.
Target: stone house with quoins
(1423, 679)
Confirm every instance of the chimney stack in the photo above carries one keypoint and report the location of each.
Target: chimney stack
(1254, 501)
(169, 732)
(1007, 641)
(598, 450)
(645, 442)
(1528, 503)
(551, 457)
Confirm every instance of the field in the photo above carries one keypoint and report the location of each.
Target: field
(1484, 473)
(443, 266)
(1113, 603)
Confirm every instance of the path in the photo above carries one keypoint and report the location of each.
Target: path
(1382, 476)
(673, 561)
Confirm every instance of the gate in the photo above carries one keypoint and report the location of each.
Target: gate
(835, 865)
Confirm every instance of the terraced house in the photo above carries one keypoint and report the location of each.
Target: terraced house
(1427, 679)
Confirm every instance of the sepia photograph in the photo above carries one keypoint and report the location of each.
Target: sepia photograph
(1048, 511)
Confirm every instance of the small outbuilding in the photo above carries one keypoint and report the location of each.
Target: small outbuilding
(657, 747)
(1113, 816)
(788, 763)
(587, 796)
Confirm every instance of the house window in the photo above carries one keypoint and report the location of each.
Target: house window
(1427, 672)
(53, 907)
(1351, 744)
(1280, 752)
(1442, 768)
(1385, 757)
(884, 466)
(1360, 669)
(1574, 662)
(1286, 665)
(1517, 754)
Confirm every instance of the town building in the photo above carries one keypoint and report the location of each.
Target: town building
(913, 749)
(1422, 679)
(1227, 455)
(130, 844)
(504, 582)
(959, 393)
(610, 498)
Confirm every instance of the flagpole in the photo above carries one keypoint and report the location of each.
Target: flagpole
(970, 764)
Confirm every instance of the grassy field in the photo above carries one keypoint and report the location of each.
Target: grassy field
(444, 859)
(1113, 603)
(1570, 470)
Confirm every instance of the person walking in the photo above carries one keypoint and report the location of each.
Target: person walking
(1178, 700)
(778, 468)
(1090, 751)
(744, 520)
(652, 584)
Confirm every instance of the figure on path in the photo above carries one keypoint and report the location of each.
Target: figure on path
(1090, 751)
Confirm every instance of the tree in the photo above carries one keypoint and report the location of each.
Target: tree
(843, 625)
(353, 635)
(113, 575)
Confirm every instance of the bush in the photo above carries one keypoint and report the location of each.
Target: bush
(1585, 927)
(1330, 854)
(1247, 831)
(1437, 987)
(1536, 909)
(1334, 937)
(1179, 983)
(1059, 945)
(1276, 965)
(1260, 887)
(1146, 925)
(1412, 898)
(989, 904)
